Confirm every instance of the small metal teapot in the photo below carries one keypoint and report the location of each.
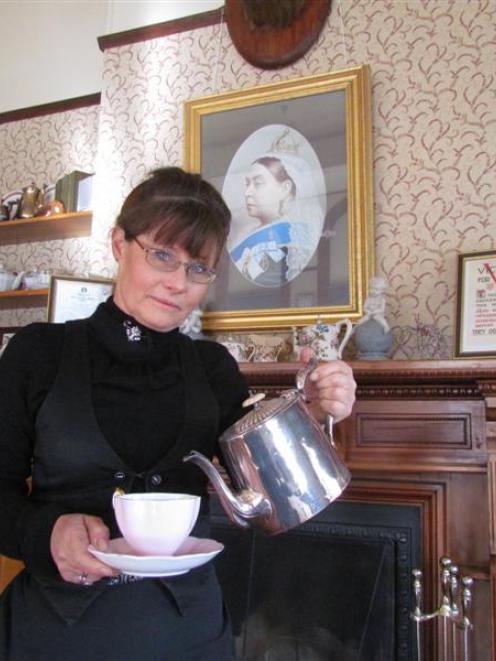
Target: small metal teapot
(284, 466)
(29, 201)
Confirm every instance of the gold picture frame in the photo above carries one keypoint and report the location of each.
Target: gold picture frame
(476, 305)
(280, 271)
(72, 297)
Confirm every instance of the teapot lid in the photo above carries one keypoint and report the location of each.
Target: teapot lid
(261, 412)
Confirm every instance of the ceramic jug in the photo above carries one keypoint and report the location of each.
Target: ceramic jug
(9, 280)
(36, 279)
(324, 338)
(239, 351)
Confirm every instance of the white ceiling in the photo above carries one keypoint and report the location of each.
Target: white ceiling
(49, 50)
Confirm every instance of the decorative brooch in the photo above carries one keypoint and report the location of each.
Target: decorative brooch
(133, 332)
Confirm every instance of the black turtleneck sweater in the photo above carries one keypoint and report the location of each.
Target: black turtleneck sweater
(134, 384)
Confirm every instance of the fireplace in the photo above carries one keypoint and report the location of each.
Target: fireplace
(423, 435)
(337, 587)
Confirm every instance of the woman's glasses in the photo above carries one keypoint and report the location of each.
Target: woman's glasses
(165, 259)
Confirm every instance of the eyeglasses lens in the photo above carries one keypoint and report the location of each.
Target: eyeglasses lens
(165, 260)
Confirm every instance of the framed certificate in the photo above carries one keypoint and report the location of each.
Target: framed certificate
(476, 305)
(75, 298)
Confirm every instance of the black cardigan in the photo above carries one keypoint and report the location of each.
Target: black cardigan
(138, 395)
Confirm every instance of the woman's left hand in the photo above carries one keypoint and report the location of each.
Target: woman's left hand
(333, 387)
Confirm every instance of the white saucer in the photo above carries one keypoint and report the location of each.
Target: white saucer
(193, 552)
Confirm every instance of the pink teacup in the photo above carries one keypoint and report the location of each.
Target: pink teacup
(155, 523)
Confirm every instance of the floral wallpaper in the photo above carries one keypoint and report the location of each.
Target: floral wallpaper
(41, 150)
(434, 139)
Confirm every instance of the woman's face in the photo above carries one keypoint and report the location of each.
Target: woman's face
(159, 300)
(264, 194)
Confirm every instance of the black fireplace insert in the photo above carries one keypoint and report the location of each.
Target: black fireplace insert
(337, 588)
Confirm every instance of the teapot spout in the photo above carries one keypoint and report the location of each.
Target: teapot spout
(240, 508)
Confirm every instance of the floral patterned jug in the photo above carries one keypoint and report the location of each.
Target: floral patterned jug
(325, 339)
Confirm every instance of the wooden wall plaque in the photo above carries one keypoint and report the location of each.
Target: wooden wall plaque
(270, 47)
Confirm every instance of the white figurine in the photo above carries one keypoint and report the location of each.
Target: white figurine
(192, 326)
(375, 303)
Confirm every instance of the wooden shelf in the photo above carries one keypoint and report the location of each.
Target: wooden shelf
(23, 298)
(46, 228)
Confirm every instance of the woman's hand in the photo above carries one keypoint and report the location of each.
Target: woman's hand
(71, 535)
(333, 387)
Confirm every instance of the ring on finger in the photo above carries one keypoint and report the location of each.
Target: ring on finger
(83, 578)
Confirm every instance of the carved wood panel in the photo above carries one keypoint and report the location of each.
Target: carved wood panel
(446, 432)
(424, 433)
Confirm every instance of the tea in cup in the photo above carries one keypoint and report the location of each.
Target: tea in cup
(155, 523)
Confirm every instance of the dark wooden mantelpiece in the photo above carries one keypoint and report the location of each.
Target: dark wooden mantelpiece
(424, 433)
(421, 433)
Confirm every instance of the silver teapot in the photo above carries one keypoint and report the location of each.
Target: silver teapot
(283, 464)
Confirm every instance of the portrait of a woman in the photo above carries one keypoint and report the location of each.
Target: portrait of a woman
(277, 232)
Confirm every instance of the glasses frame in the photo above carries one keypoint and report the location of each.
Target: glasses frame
(187, 265)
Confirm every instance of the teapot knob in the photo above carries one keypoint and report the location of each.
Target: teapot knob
(254, 399)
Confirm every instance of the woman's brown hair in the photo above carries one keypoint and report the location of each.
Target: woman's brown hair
(177, 207)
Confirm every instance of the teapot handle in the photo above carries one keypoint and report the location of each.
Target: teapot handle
(328, 429)
(347, 335)
(250, 351)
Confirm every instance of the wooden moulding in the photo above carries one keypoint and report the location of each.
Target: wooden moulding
(184, 24)
(50, 108)
(409, 415)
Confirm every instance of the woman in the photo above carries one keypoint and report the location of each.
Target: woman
(280, 193)
(117, 400)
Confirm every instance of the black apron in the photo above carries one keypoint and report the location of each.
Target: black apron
(176, 619)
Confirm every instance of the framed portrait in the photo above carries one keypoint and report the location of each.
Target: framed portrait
(75, 298)
(476, 305)
(293, 163)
